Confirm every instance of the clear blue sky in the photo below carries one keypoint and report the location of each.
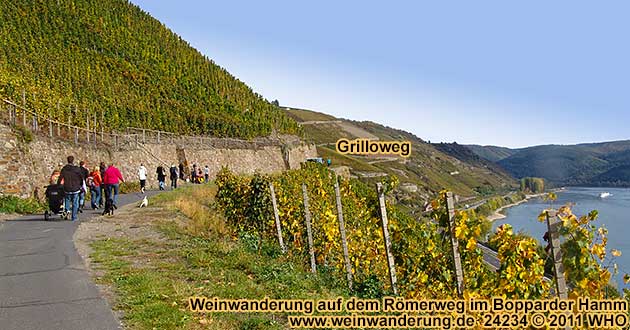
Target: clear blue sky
(487, 72)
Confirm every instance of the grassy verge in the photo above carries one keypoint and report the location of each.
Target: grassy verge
(14, 204)
(196, 255)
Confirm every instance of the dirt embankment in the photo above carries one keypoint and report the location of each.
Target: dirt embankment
(129, 221)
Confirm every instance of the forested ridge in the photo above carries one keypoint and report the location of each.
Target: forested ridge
(587, 164)
(110, 59)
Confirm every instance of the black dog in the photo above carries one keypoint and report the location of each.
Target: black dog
(109, 207)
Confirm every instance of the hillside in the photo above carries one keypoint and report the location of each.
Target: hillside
(617, 176)
(427, 171)
(597, 164)
(111, 60)
(491, 153)
(464, 154)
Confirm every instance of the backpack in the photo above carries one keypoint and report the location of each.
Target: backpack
(90, 182)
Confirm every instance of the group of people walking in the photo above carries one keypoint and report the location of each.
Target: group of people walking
(161, 177)
(77, 180)
(197, 174)
(103, 182)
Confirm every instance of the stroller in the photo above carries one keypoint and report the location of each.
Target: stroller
(54, 196)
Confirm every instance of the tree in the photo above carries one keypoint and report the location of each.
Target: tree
(534, 185)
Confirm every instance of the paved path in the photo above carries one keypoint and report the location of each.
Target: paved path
(43, 282)
(490, 256)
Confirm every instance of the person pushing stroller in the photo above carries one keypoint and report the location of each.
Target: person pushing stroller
(73, 179)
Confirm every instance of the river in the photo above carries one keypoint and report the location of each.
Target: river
(614, 215)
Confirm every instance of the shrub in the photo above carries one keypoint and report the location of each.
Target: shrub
(14, 204)
(23, 134)
(129, 187)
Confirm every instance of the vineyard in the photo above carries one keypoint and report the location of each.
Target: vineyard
(74, 60)
(421, 249)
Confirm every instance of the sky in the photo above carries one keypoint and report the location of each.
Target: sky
(503, 73)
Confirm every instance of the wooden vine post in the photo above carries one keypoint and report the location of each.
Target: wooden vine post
(342, 231)
(50, 124)
(553, 226)
(386, 237)
(58, 124)
(457, 261)
(275, 215)
(95, 123)
(309, 230)
(23, 108)
(87, 126)
(102, 125)
(94, 129)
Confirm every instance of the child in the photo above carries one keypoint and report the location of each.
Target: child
(94, 182)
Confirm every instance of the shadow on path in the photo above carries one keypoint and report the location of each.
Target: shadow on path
(43, 283)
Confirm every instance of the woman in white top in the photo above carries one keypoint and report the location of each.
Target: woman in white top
(142, 175)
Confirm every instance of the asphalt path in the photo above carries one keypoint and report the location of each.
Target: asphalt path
(43, 281)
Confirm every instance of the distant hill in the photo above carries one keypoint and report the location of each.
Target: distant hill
(593, 164)
(464, 153)
(491, 153)
(427, 171)
(617, 176)
(109, 58)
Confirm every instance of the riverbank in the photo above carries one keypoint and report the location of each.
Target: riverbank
(612, 214)
(497, 215)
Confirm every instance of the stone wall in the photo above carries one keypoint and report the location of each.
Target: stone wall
(25, 167)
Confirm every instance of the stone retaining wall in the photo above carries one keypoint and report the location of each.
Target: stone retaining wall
(26, 167)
